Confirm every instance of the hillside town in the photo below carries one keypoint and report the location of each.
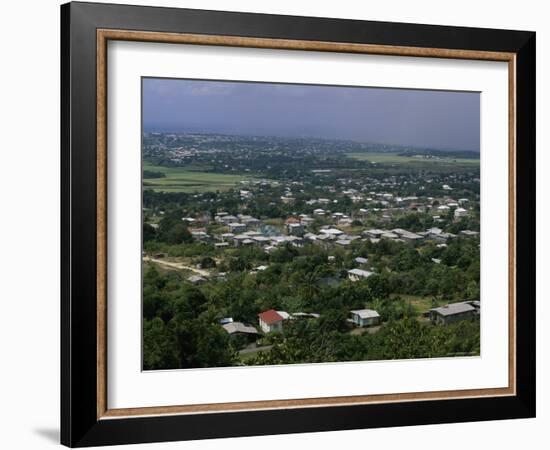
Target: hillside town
(310, 239)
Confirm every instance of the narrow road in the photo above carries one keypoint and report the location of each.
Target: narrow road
(179, 266)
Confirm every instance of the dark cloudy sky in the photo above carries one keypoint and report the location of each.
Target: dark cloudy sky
(433, 119)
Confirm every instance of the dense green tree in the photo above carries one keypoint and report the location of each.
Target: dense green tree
(149, 233)
(203, 344)
(207, 263)
(160, 349)
(173, 230)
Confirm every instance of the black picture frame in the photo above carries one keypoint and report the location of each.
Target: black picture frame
(80, 425)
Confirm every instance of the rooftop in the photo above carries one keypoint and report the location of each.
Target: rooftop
(196, 279)
(375, 231)
(453, 308)
(331, 231)
(360, 272)
(292, 220)
(239, 327)
(365, 313)
(270, 316)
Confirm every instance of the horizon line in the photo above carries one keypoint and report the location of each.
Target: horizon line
(314, 137)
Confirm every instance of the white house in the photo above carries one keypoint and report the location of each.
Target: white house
(251, 222)
(196, 279)
(306, 220)
(287, 200)
(365, 317)
(438, 234)
(226, 219)
(270, 321)
(359, 274)
(295, 229)
(236, 227)
(460, 212)
(332, 233)
(374, 233)
(407, 235)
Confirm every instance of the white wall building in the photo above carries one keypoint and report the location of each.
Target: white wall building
(365, 317)
(359, 274)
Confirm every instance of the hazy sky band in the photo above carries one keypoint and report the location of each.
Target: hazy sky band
(418, 118)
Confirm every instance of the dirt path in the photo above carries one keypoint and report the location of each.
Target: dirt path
(179, 266)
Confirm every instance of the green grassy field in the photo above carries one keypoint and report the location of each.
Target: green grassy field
(394, 158)
(181, 179)
(419, 303)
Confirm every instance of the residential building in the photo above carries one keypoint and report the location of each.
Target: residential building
(270, 321)
(469, 233)
(295, 229)
(374, 233)
(365, 317)
(236, 328)
(460, 212)
(453, 312)
(236, 227)
(251, 222)
(226, 219)
(332, 232)
(196, 279)
(343, 242)
(359, 274)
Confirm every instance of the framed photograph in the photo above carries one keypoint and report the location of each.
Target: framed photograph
(276, 224)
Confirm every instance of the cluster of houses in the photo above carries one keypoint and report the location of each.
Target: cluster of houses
(269, 321)
(401, 235)
(243, 229)
(247, 230)
(388, 202)
(272, 321)
(297, 235)
(241, 234)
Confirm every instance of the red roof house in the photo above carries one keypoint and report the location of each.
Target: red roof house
(270, 320)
